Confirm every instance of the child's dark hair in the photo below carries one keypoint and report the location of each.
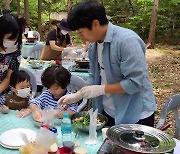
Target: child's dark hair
(56, 74)
(18, 76)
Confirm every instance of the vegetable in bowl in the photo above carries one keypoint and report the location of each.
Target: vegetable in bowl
(81, 121)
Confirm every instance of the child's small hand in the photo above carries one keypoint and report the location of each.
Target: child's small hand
(23, 112)
(37, 116)
(4, 109)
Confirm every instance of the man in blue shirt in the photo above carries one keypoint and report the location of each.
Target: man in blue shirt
(118, 82)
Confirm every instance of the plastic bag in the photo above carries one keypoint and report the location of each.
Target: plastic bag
(44, 140)
(92, 128)
(48, 116)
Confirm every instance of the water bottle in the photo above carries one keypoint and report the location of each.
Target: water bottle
(66, 128)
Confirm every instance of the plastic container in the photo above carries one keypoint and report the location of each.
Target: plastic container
(54, 146)
(66, 128)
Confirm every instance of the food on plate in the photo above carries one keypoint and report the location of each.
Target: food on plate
(36, 63)
(27, 149)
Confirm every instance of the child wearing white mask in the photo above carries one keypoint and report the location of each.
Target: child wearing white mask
(57, 40)
(10, 44)
(19, 97)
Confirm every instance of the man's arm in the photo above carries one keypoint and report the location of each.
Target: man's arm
(114, 89)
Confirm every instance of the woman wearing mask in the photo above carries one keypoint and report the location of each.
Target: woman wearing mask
(10, 43)
(57, 40)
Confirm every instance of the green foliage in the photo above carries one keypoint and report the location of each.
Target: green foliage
(135, 15)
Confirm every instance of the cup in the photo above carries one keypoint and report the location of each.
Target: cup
(65, 150)
(104, 130)
(69, 144)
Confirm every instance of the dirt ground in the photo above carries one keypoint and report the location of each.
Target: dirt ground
(164, 71)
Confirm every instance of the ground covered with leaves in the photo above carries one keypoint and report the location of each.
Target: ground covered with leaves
(164, 71)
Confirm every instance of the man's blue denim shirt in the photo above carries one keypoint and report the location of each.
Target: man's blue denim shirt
(124, 62)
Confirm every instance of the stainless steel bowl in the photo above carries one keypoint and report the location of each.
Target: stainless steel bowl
(101, 117)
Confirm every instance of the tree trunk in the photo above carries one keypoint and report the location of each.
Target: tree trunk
(7, 4)
(39, 16)
(69, 5)
(131, 6)
(49, 11)
(18, 7)
(151, 38)
(26, 11)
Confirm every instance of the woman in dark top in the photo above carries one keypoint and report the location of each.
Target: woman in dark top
(57, 40)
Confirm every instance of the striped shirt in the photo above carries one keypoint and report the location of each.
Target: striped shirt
(46, 99)
(2, 98)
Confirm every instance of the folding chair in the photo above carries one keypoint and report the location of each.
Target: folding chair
(36, 50)
(36, 34)
(172, 104)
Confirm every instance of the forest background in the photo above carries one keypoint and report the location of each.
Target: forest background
(133, 14)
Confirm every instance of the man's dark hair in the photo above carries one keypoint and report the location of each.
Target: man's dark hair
(82, 15)
(18, 76)
(56, 74)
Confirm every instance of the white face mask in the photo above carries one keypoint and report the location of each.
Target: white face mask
(8, 43)
(23, 93)
(64, 32)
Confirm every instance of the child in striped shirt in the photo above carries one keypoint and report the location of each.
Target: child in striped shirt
(56, 79)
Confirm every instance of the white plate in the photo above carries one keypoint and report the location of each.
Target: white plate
(13, 139)
(9, 147)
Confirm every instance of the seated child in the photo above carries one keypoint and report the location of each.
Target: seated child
(19, 97)
(56, 79)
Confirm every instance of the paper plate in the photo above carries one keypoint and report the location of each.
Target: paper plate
(13, 139)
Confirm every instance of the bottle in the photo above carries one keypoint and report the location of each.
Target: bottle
(66, 128)
(54, 146)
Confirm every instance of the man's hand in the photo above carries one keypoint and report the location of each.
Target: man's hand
(93, 91)
(69, 99)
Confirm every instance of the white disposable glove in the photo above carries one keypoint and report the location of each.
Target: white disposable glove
(93, 91)
(84, 54)
(70, 98)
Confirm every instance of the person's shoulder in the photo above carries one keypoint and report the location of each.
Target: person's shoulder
(123, 33)
(45, 93)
